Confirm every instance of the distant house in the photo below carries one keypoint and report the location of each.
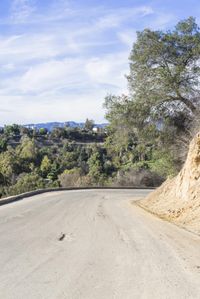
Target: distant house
(32, 127)
(96, 129)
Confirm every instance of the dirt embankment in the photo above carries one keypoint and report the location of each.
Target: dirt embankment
(178, 199)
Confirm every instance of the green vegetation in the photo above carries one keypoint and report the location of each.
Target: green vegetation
(139, 146)
(154, 121)
(31, 159)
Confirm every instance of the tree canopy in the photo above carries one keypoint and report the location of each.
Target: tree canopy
(163, 97)
(164, 69)
(163, 82)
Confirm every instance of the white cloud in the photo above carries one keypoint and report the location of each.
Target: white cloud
(20, 48)
(61, 108)
(71, 74)
(8, 67)
(110, 70)
(161, 21)
(63, 90)
(115, 18)
(21, 10)
(50, 75)
(128, 37)
(62, 62)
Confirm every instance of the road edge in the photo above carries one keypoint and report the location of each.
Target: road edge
(22, 196)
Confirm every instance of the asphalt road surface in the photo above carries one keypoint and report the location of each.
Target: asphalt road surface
(91, 245)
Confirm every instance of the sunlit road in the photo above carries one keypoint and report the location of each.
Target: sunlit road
(91, 245)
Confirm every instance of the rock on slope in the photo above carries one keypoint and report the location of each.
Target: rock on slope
(178, 199)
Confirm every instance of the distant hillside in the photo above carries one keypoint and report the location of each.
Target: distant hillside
(50, 125)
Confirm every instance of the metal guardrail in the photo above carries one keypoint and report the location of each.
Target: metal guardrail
(22, 196)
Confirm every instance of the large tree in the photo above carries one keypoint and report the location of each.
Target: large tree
(164, 69)
(164, 85)
(164, 91)
(89, 124)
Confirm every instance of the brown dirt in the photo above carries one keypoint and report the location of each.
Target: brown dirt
(178, 199)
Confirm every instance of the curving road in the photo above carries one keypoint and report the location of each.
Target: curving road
(91, 245)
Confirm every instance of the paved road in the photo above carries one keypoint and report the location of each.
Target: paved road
(111, 249)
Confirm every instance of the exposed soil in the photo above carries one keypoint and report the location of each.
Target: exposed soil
(178, 199)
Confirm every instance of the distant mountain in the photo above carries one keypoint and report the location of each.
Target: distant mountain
(51, 125)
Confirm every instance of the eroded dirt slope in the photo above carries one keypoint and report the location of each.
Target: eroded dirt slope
(178, 199)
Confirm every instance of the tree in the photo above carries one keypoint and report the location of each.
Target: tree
(95, 166)
(45, 166)
(27, 182)
(163, 98)
(9, 166)
(68, 160)
(58, 132)
(164, 94)
(89, 124)
(125, 129)
(3, 144)
(70, 178)
(12, 130)
(53, 174)
(164, 71)
(25, 131)
(28, 149)
(43, 131)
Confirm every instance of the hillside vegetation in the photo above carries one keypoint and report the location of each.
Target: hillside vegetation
(148, 133)
(66, 157)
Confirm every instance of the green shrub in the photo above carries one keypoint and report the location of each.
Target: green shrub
(163, 164)
(27, 182)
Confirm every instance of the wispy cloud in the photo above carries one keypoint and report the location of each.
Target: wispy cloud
(5, 110)
(21, 10)
(115, 18)
(60, 58)
(128, 37)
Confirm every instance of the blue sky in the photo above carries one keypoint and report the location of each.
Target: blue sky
(60, 58)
